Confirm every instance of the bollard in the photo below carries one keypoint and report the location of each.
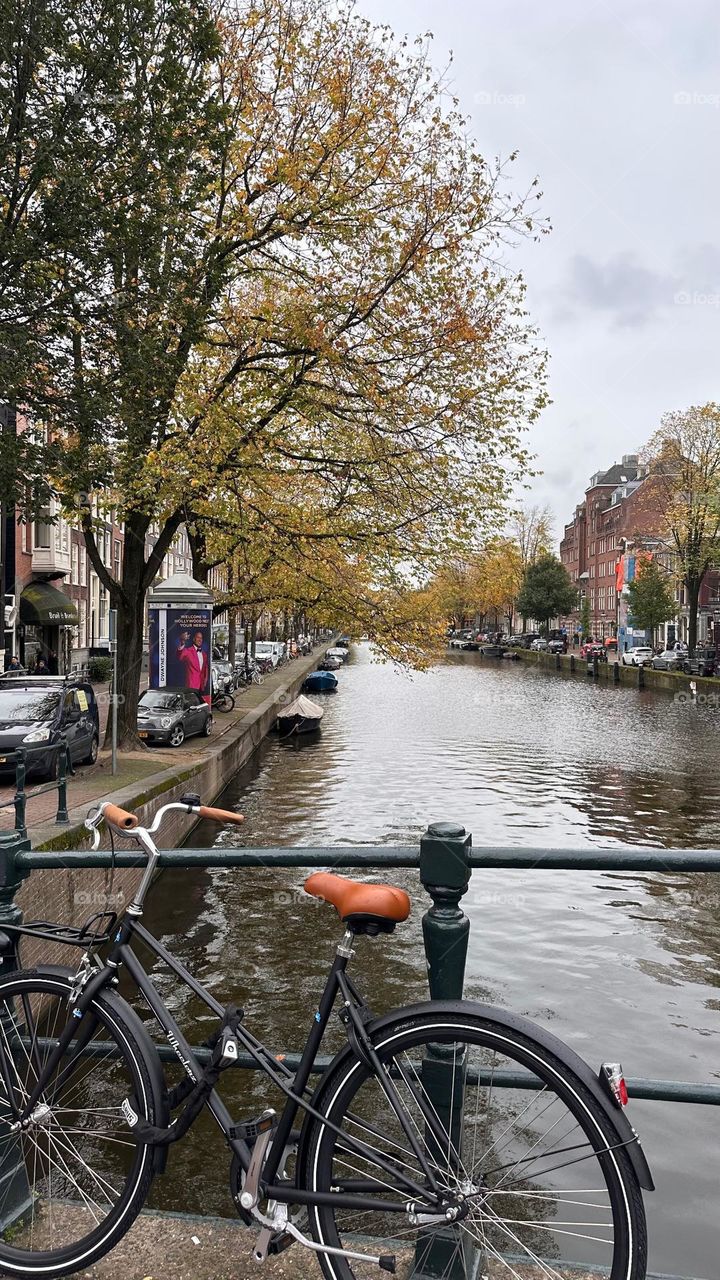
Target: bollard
(15, 1196)
(616, 672)
(558, 663)
(445, 873)
(641, 676)
(572, 664)
(595, 665)
(62, 771)
(19, 797)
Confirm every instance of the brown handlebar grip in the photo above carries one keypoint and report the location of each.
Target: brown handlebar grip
(120, 817)
(220, 815)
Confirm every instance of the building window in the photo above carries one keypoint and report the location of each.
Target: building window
(74, 577)
(103, 612)
(42, 530)
(117, 553)
(83, 567)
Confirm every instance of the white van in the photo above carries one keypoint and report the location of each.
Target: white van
(272, 649)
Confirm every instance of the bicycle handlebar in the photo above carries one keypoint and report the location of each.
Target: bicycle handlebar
(129, 823)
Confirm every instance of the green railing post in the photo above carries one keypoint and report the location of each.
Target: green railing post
(445, 872)
(15, 1196)
(63, 761)
(19, 797)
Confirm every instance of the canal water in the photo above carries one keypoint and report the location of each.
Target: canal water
(621, 966)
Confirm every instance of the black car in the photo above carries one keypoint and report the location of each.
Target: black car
(702, 663)
(169, 716)
(38, 713)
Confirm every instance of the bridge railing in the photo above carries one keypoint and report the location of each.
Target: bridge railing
(445, 859)
(22, 758)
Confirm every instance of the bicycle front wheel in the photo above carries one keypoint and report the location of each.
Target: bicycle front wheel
(535, 1182)
(78, 1178)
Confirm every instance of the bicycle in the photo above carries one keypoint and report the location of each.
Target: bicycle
(221, 700)
(406, 1147)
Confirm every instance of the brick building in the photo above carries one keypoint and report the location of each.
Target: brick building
(615, 517)
(55, 603)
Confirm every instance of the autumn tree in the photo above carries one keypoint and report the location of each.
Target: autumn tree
(283, 240)
(531, 529)
(547, 591)
(682, 492)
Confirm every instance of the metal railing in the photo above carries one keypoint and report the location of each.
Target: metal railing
(445, 859)
(61, 751)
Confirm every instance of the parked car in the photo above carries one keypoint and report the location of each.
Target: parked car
(594, 649)
(557, 646)
(38, 713)
(668, 660)
(539, 645)
(702, 663)
(169, 716)
(640, 656)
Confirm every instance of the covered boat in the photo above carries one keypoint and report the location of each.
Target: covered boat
(339, 652)
(300, 716)
(320, 682)
(329, 664)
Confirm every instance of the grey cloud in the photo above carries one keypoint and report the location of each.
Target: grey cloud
(629, 292)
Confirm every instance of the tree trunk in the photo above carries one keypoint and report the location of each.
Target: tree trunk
(693, 584)
(232, 636)
(129, 666)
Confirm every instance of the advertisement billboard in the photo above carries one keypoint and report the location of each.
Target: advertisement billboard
(181, 648)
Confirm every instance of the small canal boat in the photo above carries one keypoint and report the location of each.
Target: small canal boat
(320, 682)
(329, 664)
(299, 716)
(492, 650)
(339, 652)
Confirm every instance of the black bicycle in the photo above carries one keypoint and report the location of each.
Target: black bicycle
(442, 1138)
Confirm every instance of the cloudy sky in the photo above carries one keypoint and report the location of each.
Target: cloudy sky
(615, 105)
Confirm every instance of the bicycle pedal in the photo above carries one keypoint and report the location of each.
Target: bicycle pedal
(250, 1130)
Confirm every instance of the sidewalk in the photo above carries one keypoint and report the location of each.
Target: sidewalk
(96, 782)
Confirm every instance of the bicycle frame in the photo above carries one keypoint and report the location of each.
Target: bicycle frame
(292, 1084)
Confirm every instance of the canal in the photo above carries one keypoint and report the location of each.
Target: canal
(621, 966)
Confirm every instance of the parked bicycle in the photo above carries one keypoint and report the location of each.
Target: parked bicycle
(222, 701)
(407, 1144)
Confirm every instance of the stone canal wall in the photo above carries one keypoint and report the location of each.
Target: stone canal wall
(671, 682)
(71, 896)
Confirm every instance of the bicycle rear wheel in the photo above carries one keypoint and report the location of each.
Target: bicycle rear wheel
(540, 1186)
(79, 1178)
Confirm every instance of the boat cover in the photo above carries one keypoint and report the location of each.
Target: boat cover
(301, 706)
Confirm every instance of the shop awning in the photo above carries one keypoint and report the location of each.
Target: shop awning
(43, 605)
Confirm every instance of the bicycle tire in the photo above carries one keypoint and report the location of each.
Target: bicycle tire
(35, 990)
(224, 702)
(324, 1164)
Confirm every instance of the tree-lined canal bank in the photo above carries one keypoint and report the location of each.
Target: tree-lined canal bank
(619, 965)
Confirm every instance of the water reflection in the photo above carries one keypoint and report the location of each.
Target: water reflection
(621, 966)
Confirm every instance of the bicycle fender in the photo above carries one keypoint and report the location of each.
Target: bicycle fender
(625, 1133)
(135, 1024)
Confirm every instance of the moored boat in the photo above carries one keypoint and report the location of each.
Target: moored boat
(492, 650)
(338, 652)
(299, 716)
(330, 664)
(320, 682)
